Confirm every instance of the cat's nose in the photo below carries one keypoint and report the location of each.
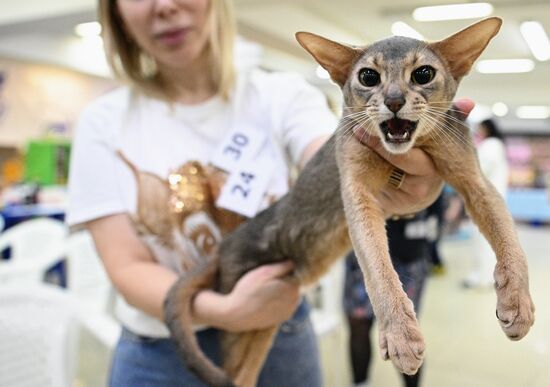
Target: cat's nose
(394, 103)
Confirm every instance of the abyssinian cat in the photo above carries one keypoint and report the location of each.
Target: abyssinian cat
(400, 90)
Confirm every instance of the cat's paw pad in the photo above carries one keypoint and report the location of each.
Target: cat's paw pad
(402, 342)
(515, 310)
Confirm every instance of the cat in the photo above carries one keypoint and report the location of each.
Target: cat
(399, 90)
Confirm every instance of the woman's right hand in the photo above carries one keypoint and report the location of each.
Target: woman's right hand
(262, 298)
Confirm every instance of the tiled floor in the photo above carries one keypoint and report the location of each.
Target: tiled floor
(465, 345)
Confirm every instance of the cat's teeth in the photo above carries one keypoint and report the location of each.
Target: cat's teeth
(404, 136)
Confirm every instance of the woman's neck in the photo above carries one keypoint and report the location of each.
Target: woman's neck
(191, 85)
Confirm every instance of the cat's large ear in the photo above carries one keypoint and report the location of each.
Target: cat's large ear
(336, 58)
(463, 48)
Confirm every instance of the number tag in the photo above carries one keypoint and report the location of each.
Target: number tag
(415, 230)
(244, 190)
(237, 147)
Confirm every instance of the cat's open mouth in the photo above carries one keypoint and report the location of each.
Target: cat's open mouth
(397, 130)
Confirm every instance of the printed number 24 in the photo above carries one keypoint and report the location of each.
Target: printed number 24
(243, 189)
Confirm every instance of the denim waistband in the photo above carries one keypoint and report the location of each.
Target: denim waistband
(298, 318)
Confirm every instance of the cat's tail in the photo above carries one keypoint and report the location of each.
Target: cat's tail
(177, 315)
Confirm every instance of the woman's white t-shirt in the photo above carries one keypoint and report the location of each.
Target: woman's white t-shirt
(158, 137)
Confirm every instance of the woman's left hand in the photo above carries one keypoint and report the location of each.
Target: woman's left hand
(421, 184)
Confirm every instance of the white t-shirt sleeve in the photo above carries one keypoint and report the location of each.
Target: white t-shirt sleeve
(93, 187)
(300, 113)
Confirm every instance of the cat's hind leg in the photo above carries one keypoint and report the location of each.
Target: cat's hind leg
(245, 353)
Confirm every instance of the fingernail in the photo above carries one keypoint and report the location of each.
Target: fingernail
(466, 105)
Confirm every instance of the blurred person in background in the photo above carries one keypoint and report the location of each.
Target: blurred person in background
(494, 165)
(437, 214)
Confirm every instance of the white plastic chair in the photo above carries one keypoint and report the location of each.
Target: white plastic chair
(39, 334)
(36, 245)
(88, 282)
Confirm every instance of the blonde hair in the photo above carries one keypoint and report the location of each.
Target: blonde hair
(130, 64)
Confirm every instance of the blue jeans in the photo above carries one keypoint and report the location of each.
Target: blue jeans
(148, 362)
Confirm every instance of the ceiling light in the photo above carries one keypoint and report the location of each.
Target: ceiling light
(502, 66)
(536, 38)
(403, 29)
(86, 30)
(453, 11)
(500, 109)
(322, 73)
(533, 112)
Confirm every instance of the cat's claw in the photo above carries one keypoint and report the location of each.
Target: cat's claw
(402, 342)
(515, 309)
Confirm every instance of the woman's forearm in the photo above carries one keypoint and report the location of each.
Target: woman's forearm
(145, 285)
(211, 309)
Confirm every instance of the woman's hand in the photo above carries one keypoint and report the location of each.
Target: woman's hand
(262, 298)
(421, 184)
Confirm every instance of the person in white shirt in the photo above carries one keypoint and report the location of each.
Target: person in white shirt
(494, 165)
(183, 107)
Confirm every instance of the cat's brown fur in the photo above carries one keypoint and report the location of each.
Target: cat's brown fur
(334, 200)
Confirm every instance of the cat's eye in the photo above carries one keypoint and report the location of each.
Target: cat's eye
(369, 77)
(423, 75)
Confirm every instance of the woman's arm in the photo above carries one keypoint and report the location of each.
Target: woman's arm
(311, 149)
(130, 264)
(260, 299)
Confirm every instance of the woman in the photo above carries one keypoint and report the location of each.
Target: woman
(494, 165)
(184, 101)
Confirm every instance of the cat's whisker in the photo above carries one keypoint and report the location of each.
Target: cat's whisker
(451, 127)
(448, 125)
(438, 129)
(354, 115)
(352, 123)
(444, 131)
(444, 106)
(363, 122)
(442, 101)
(367, 121)
(359, 120)
(444, 109)
(447, 115)
(451, 113)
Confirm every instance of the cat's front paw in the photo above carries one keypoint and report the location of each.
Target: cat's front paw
(402, 342)
(515, 309)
